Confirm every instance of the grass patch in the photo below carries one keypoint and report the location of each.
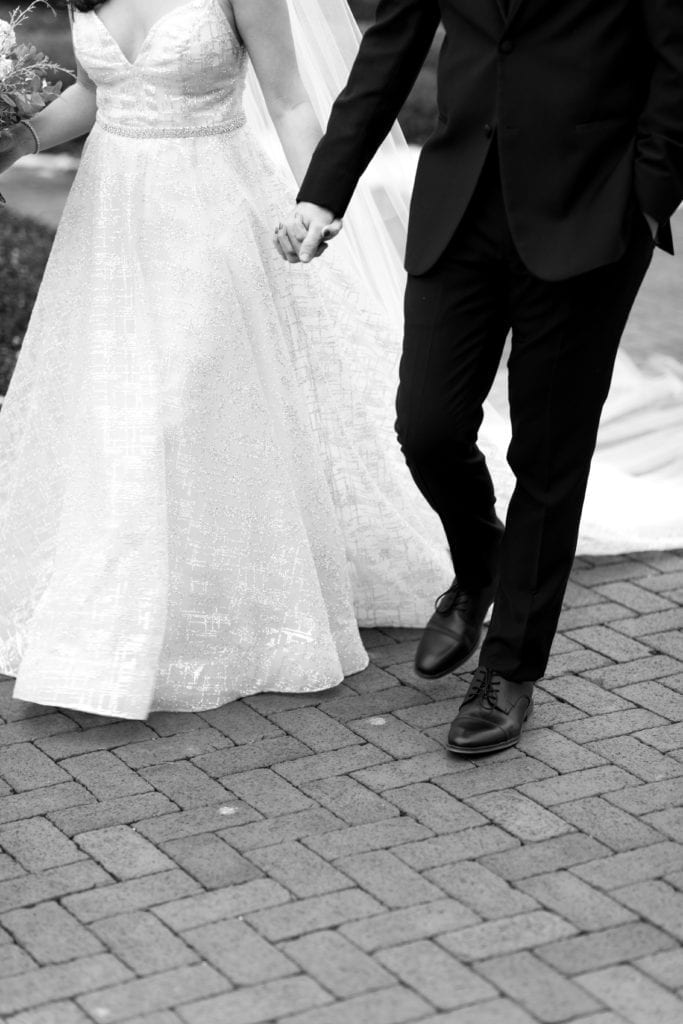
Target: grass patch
(24, 249)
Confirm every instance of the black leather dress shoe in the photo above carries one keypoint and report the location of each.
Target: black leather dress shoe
(492, 714)
(453, 632)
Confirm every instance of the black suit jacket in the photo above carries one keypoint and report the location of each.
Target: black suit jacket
(584, 99)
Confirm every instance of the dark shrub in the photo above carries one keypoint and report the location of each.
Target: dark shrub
(24, 249)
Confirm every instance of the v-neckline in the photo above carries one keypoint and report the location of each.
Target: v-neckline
(150, 33)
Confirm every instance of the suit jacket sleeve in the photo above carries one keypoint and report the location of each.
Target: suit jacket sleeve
(659, 152)
(389, 60)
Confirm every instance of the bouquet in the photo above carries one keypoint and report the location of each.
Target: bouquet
(24, 73)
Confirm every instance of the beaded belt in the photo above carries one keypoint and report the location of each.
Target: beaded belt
(180, 132)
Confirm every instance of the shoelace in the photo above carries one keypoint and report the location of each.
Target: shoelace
(484, 682)
(453, 598)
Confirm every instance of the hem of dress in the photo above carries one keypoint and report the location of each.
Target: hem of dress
(211, 705)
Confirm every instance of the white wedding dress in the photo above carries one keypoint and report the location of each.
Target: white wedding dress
(200, 488)
(201, 494)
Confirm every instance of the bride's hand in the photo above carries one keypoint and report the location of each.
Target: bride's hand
(305, 234)
(15, 142)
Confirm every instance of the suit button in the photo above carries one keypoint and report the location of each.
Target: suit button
(507, 46)
(488, 130)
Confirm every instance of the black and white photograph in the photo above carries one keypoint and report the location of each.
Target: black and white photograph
(341, 512)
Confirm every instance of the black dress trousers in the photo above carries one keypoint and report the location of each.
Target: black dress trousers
(565, 336)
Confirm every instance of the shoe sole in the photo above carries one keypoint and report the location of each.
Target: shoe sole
(492, 748)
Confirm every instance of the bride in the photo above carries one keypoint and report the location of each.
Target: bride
(200, 490)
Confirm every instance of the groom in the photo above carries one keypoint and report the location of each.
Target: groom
(555, 166)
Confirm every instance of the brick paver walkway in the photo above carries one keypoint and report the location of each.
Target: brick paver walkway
(323, 860)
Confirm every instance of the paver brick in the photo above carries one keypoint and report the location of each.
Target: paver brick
(14, 960)
(576, 785)
(575, 900)
(179, 824)
(644, 864)
(331, 763)
(436, 975)
(592, 614)
(316, 729)
(170, 989)
(408, 924)
(62, 1012)
(655, 666)
(586, 695)
(123, 810)
(60, 981)
(550, 855)
(435, 808)
(657, 697)
(629, 992)
(654, 622)
(221, 904)
(574, 662)
(546, 993)
(385, 701)
(558, 752)
(267, 792)
(257, 1003)
(337, 964)
(491, 776)
(655, 901)
(389, 879)
(467, 845)
(669, 822)
(122, 852)
(404, 772)
(172, 748)
(606, 823)
(299, 869)
(663, 737)
(376, 835)
(670, 642)
(137, 894)
(51, 884)
(103, 737)
(604, 948)
(505, 935)
(271, 831)
(251, 755)
(634, 597)
(394, 736)
(50, 934)
(349, 800)
(28, 729)
(638, 758)
(241, 723)
(239, 952)
(388, 1006)
(185, 784)
(172, 723)
(517, 814)
(210, 860)
(314, 914)
(480, 889)
(493, 1011)
(37, 845)
(665, 967)
(143, 943)
(23, 767)
(105, 775)
(616, 723)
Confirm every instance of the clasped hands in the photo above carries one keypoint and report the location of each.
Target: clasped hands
(306, 233)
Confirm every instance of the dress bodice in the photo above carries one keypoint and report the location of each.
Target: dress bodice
(187, 78)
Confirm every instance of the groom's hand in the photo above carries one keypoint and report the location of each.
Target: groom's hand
(305, 234)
